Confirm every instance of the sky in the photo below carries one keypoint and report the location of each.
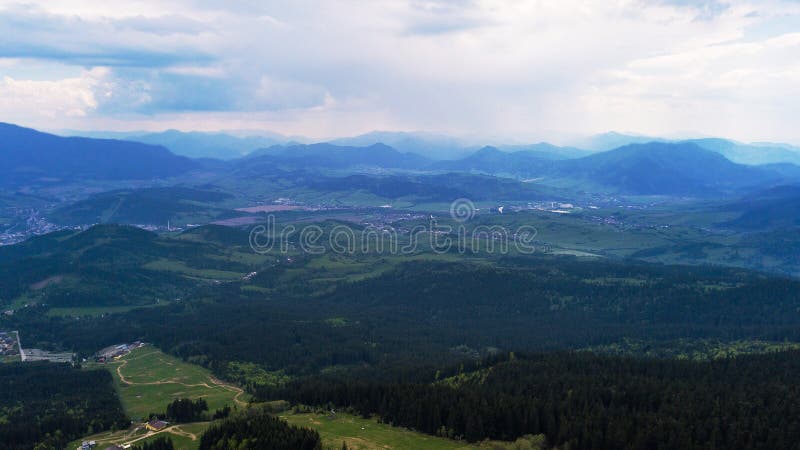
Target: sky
(514, 70)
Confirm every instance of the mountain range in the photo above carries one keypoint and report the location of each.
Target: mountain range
(196, 144)
(686, 168)
(491, 160)
(656, 168)
(433, 146)
(753, 154)
(326, 155)
(33, 156)
(232, 145)
(209, 145)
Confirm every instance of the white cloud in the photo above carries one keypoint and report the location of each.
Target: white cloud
(284, 94)
(34, 100)
(485, 66)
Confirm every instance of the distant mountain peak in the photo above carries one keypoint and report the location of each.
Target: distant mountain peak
(664, 168)
(487, 149)
(328, 155)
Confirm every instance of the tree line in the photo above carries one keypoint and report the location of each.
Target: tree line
(256, 428)
(52, 404)
(586, 401)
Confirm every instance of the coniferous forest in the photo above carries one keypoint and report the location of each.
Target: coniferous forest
(186, 410)
(426, 312)
(585, 401)
(257, 429)
(52, 404)
(160, 443)
(427, 346)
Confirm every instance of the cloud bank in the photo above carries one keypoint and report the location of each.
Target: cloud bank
(513, 69)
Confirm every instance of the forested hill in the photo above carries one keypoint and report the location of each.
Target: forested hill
(585, 401)
(299, 317)
(113, 265)
(434, 312)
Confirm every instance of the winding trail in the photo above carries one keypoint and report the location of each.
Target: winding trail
(215, 382)
(239, 391)
(175, 429)
(131, 436)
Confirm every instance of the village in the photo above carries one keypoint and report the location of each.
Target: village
(8, 343)
(11, 350)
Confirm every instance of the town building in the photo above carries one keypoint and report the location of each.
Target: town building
(156, 425)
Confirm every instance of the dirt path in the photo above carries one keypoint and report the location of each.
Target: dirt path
(239, 391)
(122, 378)
(177, 430)
(128, 439)
(131, 437)
(215, 382)
(112, 438)
(144, 436)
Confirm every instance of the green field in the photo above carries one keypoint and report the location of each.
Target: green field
(361, 433)
(9, 358)
(94, 311)
(184, 436)
(180, 267)
(148, 380)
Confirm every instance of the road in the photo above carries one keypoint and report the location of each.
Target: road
(22, 356)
